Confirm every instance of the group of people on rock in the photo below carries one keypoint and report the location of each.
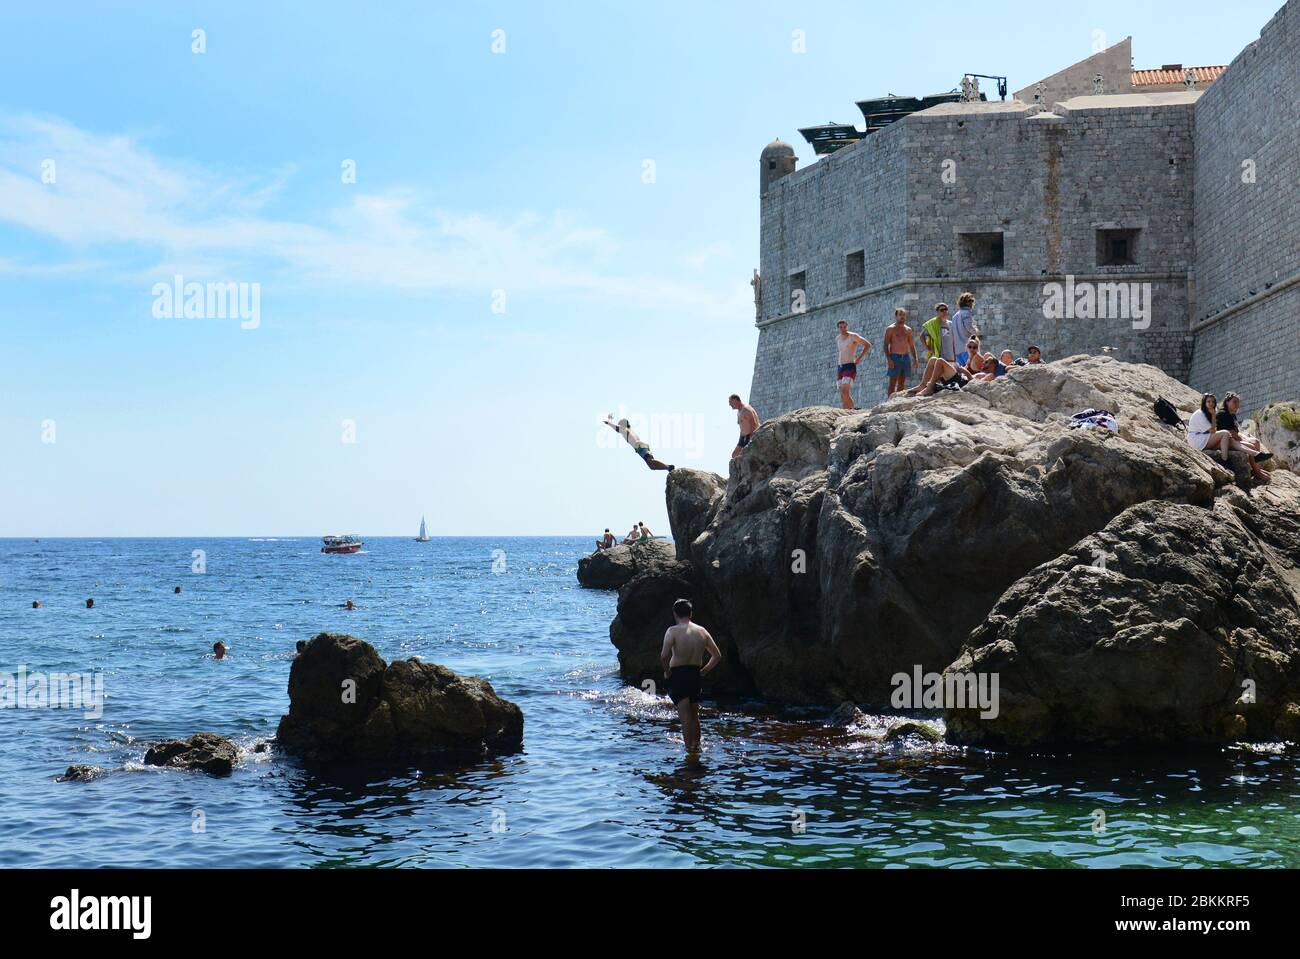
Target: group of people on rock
(640, 533)
(953, 353)
(1216, 430)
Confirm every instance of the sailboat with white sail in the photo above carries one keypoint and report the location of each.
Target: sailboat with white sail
(424, 533)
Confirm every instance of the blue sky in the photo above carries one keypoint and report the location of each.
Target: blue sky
(483, 179)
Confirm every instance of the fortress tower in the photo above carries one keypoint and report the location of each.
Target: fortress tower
(777, 160)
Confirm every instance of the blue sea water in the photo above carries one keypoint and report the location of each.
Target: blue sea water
(602, 780)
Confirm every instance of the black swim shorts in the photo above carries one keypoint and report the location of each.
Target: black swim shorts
(744, 441)
(684, 683)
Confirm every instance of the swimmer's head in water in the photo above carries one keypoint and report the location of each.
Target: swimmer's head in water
(348, 604)
(218, 649)
(90, 603)
(683, 609)
(36, 604)
(176, 590)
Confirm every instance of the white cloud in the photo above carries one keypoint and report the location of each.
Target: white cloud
(138, 216)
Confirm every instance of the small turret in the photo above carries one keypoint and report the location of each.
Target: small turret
(777, 160)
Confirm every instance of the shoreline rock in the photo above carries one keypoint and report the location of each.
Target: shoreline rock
(847, 547)
(347, 704)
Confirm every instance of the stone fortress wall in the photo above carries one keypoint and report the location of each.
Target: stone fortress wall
(1247, 215)
(904, 217)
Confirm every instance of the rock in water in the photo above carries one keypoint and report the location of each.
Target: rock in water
(80, 773)
(845, 715)
(1279, 430)
(848, 547)
(902, 728)
(206, 752)
(614, 568)
(1186, 631)
(346, 703)
(851, 546)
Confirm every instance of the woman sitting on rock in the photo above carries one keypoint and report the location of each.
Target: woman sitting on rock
(1203, 434)
(940, 374)
(1226, 421)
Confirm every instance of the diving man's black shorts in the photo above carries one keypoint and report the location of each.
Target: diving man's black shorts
(684, 683)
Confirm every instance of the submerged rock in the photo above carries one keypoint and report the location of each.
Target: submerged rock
(206, 752)
(902, 728)
(346, 703)
(80, 773)
(848, 547)
(615, 567)
(845, 715)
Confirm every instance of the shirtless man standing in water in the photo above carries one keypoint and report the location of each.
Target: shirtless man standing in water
(684, 667)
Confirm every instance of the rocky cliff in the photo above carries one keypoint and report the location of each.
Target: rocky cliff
(847, 547)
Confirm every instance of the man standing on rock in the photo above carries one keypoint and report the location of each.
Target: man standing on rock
(749, 422)
(963, 325)
(684, 667)
(900, 351)
(852, 348)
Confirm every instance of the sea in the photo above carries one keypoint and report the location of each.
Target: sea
(602, 780)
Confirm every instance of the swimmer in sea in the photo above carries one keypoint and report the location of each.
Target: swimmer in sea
(685, 645)
(219, 650)
(90, 604)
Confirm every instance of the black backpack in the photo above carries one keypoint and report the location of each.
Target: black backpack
(1168, 413)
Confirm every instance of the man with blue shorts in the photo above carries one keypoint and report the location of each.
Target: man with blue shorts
(900, 352)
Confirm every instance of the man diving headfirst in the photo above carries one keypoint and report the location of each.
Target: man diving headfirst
(624, 429)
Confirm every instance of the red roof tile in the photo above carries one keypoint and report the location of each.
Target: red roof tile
(1155, 78)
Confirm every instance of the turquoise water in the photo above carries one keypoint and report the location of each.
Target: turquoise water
(602, 780)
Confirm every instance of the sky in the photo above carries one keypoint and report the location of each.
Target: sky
(470, 231)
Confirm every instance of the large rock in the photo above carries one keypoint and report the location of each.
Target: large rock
(693, 497)
(614, 568)
(346, 703)
(645, 614)
(206, 752)
(1278, 426)
(1173, 624)
(851, 546)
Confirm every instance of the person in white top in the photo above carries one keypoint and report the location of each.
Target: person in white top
(1201, 431)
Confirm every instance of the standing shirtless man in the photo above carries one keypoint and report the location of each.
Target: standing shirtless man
(852, 348)
(900, 351)
(684, 667)
(749, 422)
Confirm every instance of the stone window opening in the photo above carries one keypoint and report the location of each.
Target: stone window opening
(1117, 247)
(798, 299)
(855, 270)
(983, 251)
